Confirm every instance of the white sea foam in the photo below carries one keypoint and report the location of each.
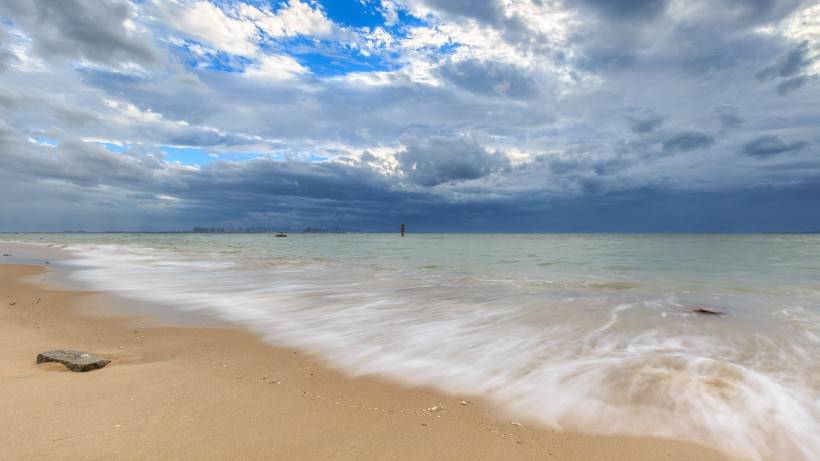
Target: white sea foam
(598, 356)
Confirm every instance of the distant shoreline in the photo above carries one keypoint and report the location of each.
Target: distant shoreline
(410, 232)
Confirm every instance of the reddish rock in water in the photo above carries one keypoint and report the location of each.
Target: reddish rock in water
(707, 311)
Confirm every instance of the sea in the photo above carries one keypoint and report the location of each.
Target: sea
(583, 332)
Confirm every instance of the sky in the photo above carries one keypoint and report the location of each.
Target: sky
(446, 115)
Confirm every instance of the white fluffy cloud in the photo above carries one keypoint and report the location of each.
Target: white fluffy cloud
(276, 67)
(237, 28)
(295, 18)
(205, 21)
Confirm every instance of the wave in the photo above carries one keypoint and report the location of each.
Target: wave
(604, 357)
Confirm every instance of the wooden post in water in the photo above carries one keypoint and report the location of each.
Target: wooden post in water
(402, 230)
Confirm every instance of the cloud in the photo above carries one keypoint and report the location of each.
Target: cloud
(101, 31)
(572, 110)
(205, 21)
(728, 116)
(293, 19)
(687, 140)
(791, 84)
(388, 9)
(771, 145)
(789, 65)
(489, 78)
(439, 160)
(487, 11)
(276, 67)
(241, 28)
(625, 8)
(791, 69)
(505, 27)
(645, 124)
(7, 56)
(86, 187)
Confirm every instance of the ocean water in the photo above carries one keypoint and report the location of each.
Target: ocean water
(591, 333)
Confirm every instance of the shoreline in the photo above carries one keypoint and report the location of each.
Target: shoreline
(195, 392)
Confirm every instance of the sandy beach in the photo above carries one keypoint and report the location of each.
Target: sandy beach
(175, 392)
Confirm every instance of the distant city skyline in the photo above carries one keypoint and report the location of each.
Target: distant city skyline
(446, 115)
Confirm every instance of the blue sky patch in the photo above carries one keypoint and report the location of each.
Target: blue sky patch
(44, 141)
(115, 147)
(186, 155)
(353, 13)
(329, 65)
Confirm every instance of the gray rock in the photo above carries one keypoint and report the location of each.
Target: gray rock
(73, 360)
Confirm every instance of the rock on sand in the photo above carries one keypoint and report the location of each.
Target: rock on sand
(73, 360)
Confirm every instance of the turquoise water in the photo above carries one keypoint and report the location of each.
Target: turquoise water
(698, 258)
(584, 332)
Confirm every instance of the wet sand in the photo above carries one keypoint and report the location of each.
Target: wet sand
(201, 393)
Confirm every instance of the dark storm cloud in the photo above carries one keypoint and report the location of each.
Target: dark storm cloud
(645, 124)
(143, 186)
(75, 28)
(624, 8)
(135, 191)
(771, 145)
(796, 61)
(439, 160)
(789, 69)
(80, 186)
(791, 84)
(697, 38)
(581, 165)
(744, 11)
(489, 78)
(488, 11)
(728, 116)
(73, 161)
(269, 179)
(789, 65)
(687, 140)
